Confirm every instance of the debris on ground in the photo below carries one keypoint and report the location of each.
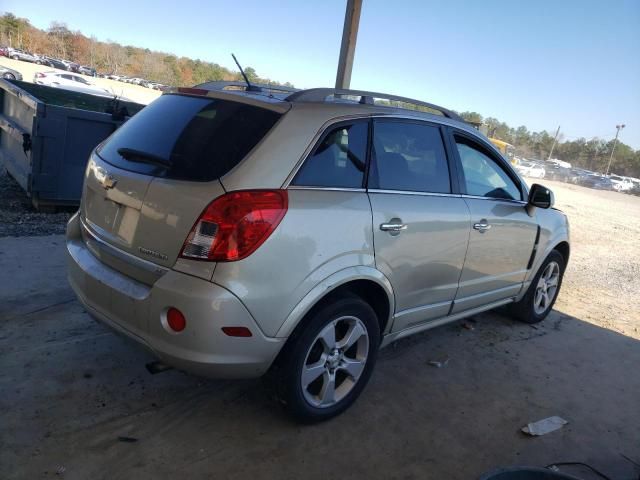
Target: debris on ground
(468, 326)
(439, 363)
(60, 470)
(127, 439)
(544, 426)
(19, 218)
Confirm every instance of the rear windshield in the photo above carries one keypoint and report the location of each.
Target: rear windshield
(199, 139)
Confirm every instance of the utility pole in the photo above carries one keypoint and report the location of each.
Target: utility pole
(348, 46)
(555, 139)
(618, 128)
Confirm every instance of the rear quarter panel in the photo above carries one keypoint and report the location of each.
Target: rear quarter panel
(322, 233)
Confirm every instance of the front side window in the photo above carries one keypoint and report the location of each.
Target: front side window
(409, 157)
(339, 159)
(482, 175)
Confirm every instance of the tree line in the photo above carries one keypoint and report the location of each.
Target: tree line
(592, 154)
(111, 57)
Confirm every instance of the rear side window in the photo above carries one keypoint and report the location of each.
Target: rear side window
(338, 160)
(409, 157)
(200, 138)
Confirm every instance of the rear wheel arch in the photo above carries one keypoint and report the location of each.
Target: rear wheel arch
(368, 290)
(375, 289)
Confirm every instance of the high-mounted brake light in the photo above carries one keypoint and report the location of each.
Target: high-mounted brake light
(192, 91)
(234, 225)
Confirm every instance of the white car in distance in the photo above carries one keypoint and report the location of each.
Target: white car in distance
(530, 169)
(69, 81)
(621, 184)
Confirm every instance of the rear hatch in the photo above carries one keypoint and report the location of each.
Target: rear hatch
(146, 186)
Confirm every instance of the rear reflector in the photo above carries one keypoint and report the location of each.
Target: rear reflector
(176, 320)
(234, 225)
(237, 331)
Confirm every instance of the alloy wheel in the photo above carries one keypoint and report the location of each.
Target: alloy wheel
(335, 361)
(547, 288)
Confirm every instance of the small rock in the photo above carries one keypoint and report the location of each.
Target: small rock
(439, 363)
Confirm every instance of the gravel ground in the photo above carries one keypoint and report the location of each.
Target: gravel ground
(602, 282)
(18, 218)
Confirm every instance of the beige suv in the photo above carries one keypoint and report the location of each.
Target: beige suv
(235, 232)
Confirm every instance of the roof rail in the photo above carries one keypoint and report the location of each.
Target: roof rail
(366, 98)
(233, 85)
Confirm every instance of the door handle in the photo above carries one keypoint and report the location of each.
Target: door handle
(393, 226)
(482, 226)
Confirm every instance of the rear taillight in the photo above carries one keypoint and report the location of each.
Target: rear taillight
(234, 225)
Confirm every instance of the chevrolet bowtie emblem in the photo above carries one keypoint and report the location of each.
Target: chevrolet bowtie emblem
(108, 182)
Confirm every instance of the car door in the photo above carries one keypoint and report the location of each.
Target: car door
(420, 222)
(503, 233)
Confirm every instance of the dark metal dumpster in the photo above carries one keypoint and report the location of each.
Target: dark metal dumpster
(47, 134)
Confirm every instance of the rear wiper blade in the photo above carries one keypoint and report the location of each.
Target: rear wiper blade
(141, 156)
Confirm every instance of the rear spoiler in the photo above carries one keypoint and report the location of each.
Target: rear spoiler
(257, 99)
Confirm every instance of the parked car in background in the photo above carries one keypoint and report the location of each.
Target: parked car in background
(72, 66)
(18, 54)
(576, 175)
(560, 163)
(621, 184)
(55, 63)
(185, 224)
(87, 71)
(530, 169)
(553, 171)
(69, 81)
(10, 73)
(594, 180)
(3, 52)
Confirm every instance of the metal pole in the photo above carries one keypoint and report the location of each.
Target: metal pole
(348, 46)
(555, 139)
(618, 128)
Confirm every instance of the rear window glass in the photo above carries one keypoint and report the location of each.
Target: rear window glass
(339, 159)
(201, 138)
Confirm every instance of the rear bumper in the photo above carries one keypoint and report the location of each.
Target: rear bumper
(138, 311)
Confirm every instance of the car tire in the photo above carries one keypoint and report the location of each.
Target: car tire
(16, 57)
(9, 76)
(328, 360)
(542, 292)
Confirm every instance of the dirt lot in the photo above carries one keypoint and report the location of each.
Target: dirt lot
(78, 403)
(135, 93)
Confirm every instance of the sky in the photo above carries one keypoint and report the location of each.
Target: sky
(541, 63)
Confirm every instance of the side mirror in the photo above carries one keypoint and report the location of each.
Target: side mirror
(540, 196)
